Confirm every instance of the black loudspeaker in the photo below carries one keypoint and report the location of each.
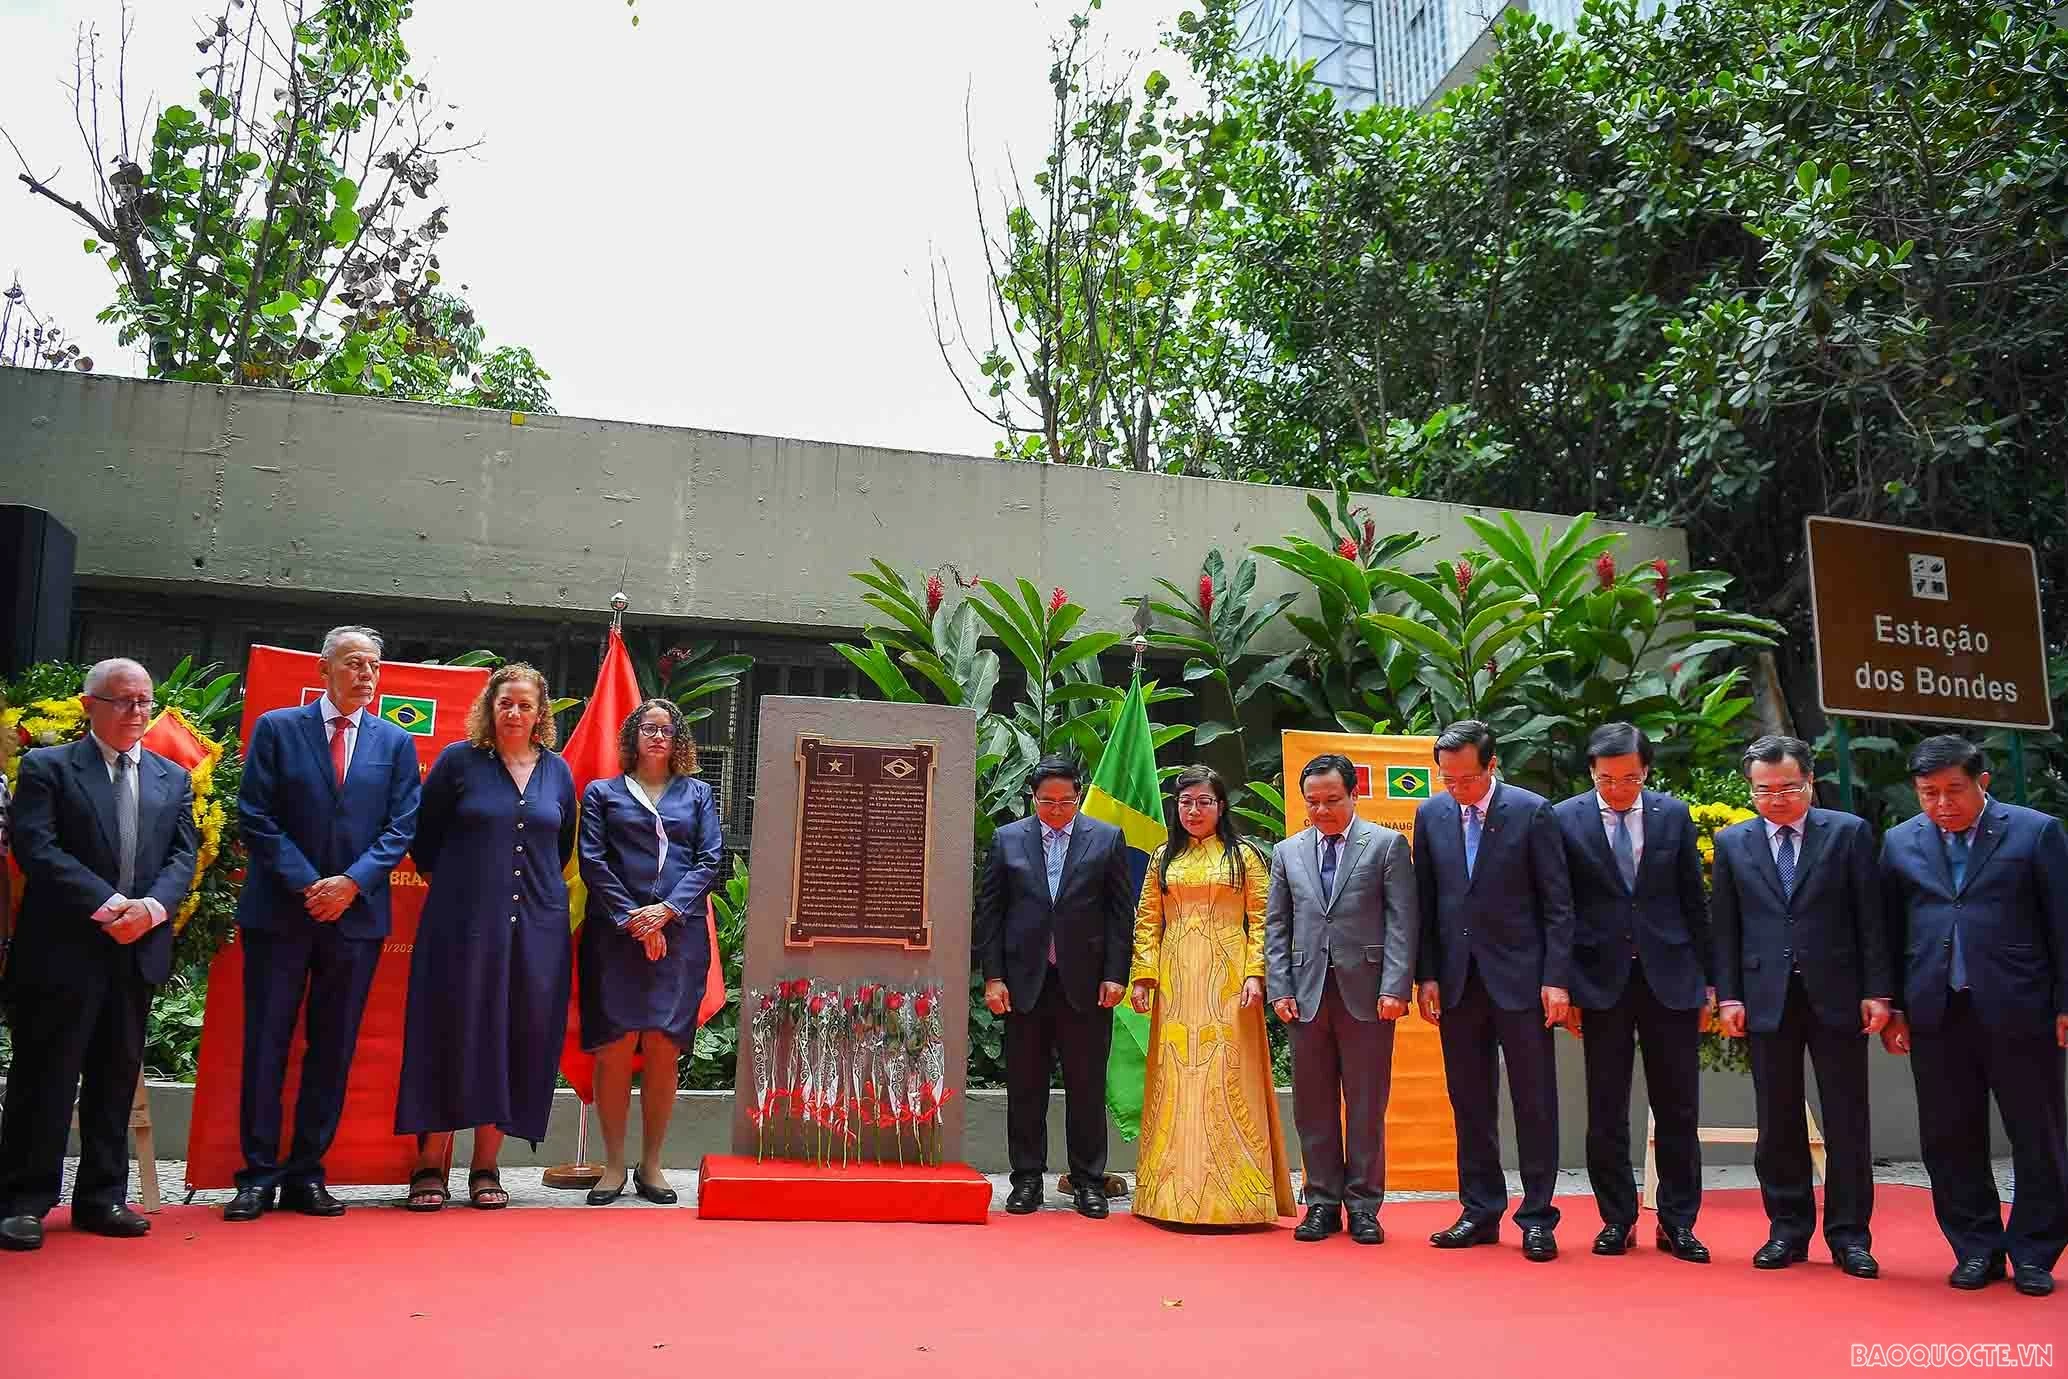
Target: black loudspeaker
(36, 556)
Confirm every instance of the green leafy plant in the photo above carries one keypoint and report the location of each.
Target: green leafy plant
(714, 1054)
(172, 1030)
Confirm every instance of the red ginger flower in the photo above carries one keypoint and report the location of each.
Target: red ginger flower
(933, 595)
(1605, 569)
(1462, 573)
(1371, 533)
(1057, 598)
(1659, 584)
(1347, 549)
(1206, 593)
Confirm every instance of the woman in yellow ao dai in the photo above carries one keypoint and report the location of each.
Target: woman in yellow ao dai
(1212, 1152)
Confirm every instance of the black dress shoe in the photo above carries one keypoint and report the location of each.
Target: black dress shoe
(310, 1199)
(1323, 1219)
(117, 1220)
(1779, 1254)
(1024, 1197)
(1090, 1201)
(21, 1233)
(601, 1196)
(1615, 1240)
(2032, 1281)
(1539, 1246)
(1680, 1242)
(1971, 1274)
(248, 1204)
(1365, 1228)
(662, 1196)
(1466, 1231)
(1854, 1260)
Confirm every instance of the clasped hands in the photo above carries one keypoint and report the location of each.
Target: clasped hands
(1287, 1008)
(1558, 1005)
(1875, 1018)
(125, 920)
(998, 998)
(328, 899)
(1252, 994)
(649, 924)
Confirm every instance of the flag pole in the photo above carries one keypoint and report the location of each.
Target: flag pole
(581, 1174)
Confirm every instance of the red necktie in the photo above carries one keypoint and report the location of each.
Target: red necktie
(338, 726)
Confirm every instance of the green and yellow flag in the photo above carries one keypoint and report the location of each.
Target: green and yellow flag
(1124, 793)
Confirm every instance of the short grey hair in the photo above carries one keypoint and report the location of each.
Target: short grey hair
(338, 634)
(104, 671)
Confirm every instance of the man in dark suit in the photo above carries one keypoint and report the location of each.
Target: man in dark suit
(1977, 908)
(1340, 930)
(1802, 965)
(1054, 930)
(1641, 979)
(328, 804)
(104, 834)
(1495, 971)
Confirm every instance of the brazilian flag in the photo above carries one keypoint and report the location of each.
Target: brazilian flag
(411, 715)
(1124, 793)
(1407, 782)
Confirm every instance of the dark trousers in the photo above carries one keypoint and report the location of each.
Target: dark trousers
(1957, 1066)
(84, 1039)
(1668, 1038)
(1342, 1072)
(334, 973)
(1033, 1039)
(1477, 1038)
(1782, 1157)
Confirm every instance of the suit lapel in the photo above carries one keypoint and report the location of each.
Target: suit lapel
(1354, 839)
(316, 735)
(1039, 856)
(1995, 823)
(1812, 848)
(1931, 849)
(1656, 843)
(1595, 831)
(93, 778)
(150, 799)
(1762, 849)
(1494, 808)
(1306, 858)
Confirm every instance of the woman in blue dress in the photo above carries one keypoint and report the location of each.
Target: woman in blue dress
(651, 846)
(488, 979)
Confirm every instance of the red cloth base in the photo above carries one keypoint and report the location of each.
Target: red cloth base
(733, 1187)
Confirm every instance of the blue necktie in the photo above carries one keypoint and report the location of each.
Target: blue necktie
(1956, 857)
(1784, 861)
(1471, 838)
(1054, 847)
(1625, 851)
(1329, 845)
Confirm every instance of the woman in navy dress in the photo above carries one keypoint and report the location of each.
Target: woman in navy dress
(651, 846)
(489, 976)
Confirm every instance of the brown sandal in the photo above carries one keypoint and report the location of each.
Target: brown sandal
(485, 1190)
(433, 1193)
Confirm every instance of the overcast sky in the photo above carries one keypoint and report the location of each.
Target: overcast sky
(721, 218)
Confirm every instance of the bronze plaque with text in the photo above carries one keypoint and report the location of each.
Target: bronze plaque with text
(1926, 625)
(864, 818)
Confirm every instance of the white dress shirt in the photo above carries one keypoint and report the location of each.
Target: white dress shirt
(330, 714)
(1773, 837)
(1634, 819)
(136, 761)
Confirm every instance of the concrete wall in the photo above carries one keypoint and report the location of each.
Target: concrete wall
(174, 487)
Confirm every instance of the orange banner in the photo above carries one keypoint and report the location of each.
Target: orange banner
(1394, 776)
(430, 703)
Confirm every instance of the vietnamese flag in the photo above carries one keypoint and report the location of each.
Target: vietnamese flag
(592, 754)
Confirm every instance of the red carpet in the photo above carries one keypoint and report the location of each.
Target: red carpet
(627, 1294)
(734, 1187)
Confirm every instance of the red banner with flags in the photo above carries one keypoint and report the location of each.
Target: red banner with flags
(591, 754)
(430, 703)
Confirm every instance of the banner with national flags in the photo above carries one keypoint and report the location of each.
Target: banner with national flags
(1124, 792)
(591, 754)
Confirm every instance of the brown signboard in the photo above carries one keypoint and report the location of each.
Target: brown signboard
(864, 815)
(1925, 625)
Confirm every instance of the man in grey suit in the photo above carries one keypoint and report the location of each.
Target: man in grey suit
(1340, 930)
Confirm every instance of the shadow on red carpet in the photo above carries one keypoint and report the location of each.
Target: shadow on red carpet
(622, 1294)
